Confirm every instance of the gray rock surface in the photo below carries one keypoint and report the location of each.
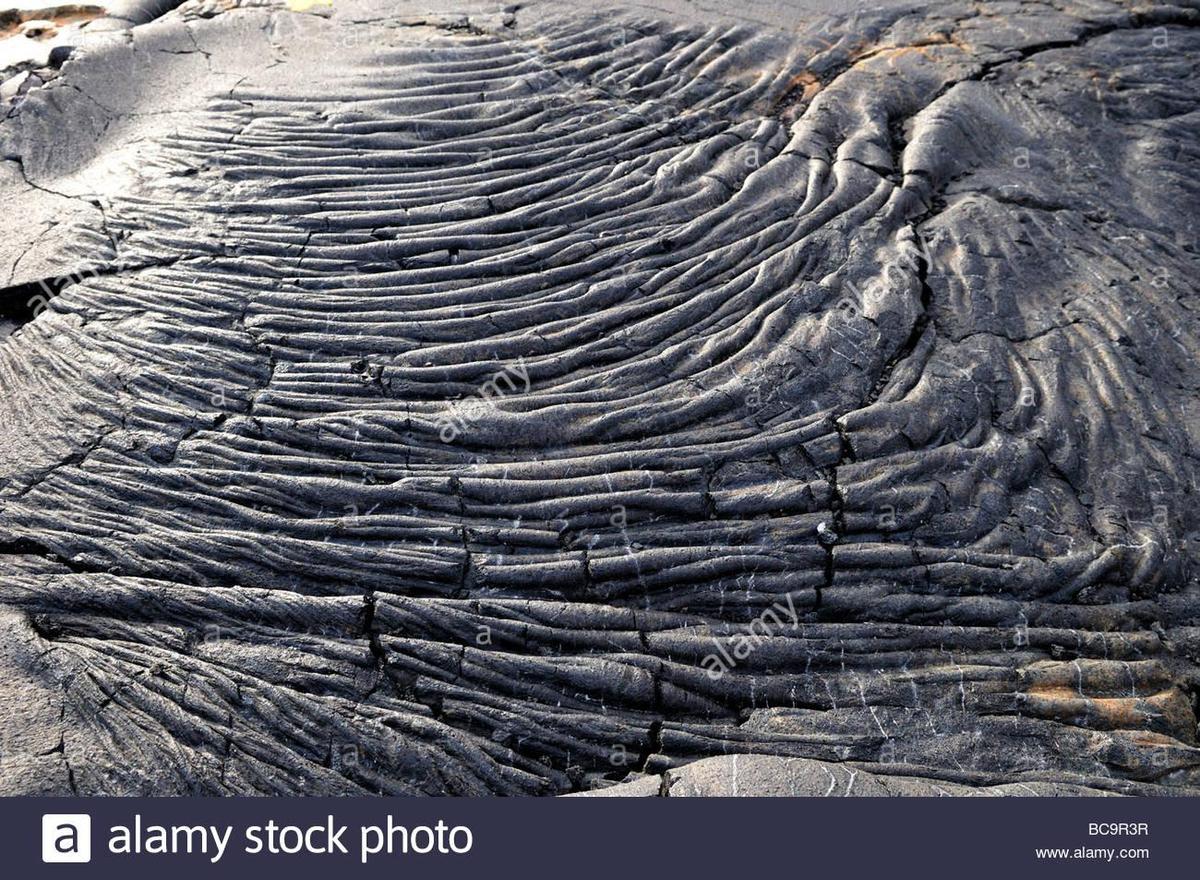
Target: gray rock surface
(530, 400)
(773, 776)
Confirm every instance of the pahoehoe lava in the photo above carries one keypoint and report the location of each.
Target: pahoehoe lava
(529, 399)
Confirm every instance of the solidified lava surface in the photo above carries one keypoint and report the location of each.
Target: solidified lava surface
(701, 399)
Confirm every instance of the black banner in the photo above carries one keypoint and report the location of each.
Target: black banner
(599, 837)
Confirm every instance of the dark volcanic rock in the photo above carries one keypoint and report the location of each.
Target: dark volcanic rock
(532, 399)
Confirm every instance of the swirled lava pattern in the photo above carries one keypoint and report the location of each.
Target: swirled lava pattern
(530, 400)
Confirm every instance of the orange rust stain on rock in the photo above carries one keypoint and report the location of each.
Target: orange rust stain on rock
(805, 82)
(1166, 710)
(1151, 739)
(12, 21)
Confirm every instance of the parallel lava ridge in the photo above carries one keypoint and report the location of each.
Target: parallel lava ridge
(536, 400)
